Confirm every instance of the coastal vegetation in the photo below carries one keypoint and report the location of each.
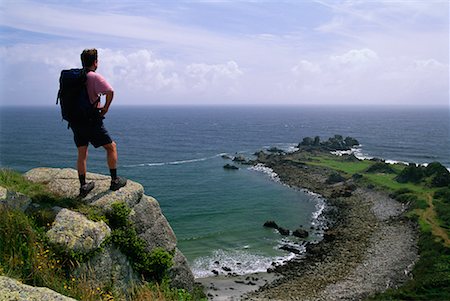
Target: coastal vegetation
(425, 190)
(27, 255)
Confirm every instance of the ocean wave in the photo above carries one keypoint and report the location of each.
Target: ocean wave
(175, 162)
(358, 152)
(286, 147)
(266, 170)
(241, 262)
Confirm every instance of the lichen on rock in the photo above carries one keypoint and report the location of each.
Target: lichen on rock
(75, 232)
(14, 200)
(13, 290)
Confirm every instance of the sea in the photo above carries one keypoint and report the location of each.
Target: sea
(176, 153)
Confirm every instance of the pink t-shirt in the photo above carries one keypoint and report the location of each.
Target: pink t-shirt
(96, 85)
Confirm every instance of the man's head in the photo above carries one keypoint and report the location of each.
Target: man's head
(89, 58)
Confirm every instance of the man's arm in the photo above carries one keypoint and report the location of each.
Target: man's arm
(109, 98)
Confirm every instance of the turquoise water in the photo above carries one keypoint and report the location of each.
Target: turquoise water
(175, 152)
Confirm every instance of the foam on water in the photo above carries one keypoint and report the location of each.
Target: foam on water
(241, 262)
(175, 162)
(266, 170)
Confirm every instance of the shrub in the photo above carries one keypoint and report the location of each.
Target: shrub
(443, 212)
(357, 176)
(441, 179)
(24, 254)
(380, 167)
(154, 265)
(411, 173)
(443, 194)
(335, 178)
(435, 168)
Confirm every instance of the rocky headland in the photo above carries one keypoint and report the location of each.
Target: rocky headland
(369, 245)
(72, 232)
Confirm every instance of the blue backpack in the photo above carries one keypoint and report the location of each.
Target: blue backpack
(73, 98)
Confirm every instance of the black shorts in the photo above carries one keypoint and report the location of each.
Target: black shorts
(92, 131)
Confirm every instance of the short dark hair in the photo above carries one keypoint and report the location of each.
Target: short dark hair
(88, 57)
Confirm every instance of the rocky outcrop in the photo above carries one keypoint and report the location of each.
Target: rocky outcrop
(14, 200)
(336, 143)
(73, 231)
(13, 290)
(110, 264)
(109, 268)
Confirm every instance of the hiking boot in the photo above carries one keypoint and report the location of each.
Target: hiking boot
(85, 189)
(117, 183)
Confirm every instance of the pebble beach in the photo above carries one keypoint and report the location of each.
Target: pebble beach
(369, 246)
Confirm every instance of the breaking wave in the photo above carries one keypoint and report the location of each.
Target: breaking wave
(175, 162)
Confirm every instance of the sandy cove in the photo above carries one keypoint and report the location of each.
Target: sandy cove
(369, 247)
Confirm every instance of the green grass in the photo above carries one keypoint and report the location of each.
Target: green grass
(431, 273)
(388, 181)
(25, 253)
(14, 181)
(338, 165)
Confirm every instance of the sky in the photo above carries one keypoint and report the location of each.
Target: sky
(299, 52)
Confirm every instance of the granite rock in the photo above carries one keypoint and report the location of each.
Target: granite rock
(75, 232)
(13, 290)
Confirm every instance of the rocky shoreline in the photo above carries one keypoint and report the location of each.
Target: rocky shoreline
(369, 247)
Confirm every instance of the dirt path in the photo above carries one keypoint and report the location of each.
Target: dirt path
(430, 216)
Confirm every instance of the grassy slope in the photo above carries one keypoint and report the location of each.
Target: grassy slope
(25, 254)
(432, 273)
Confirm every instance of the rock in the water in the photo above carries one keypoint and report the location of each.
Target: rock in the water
(13, 290)
(283, 231)
(301, 233)
(75, 232)
(230, 167)
(14, 200)
(271, 224)
(239, 158)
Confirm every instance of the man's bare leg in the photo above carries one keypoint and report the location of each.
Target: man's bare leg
(85, 188)
(111, 155)
(111, 158)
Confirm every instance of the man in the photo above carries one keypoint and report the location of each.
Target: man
(93, 131)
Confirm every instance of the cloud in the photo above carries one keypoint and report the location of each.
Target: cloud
(356, 57)
(204, 76)
(361, 75)
(341, 51)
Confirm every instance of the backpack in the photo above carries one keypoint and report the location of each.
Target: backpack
(76, 106)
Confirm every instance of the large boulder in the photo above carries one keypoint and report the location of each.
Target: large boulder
(154, 229)
(180, 274)
(14, 200)
(65, 183)
(74, 232)
(109, 268)
(146, 216)
(13, 290)
(152, 226)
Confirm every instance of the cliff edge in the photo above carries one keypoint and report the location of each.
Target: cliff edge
(107, 263)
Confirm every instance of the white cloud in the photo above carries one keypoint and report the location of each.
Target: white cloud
(362, 75)
(396, 52)
(355, 57)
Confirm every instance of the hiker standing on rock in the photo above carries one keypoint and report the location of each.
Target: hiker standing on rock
(87, 126)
